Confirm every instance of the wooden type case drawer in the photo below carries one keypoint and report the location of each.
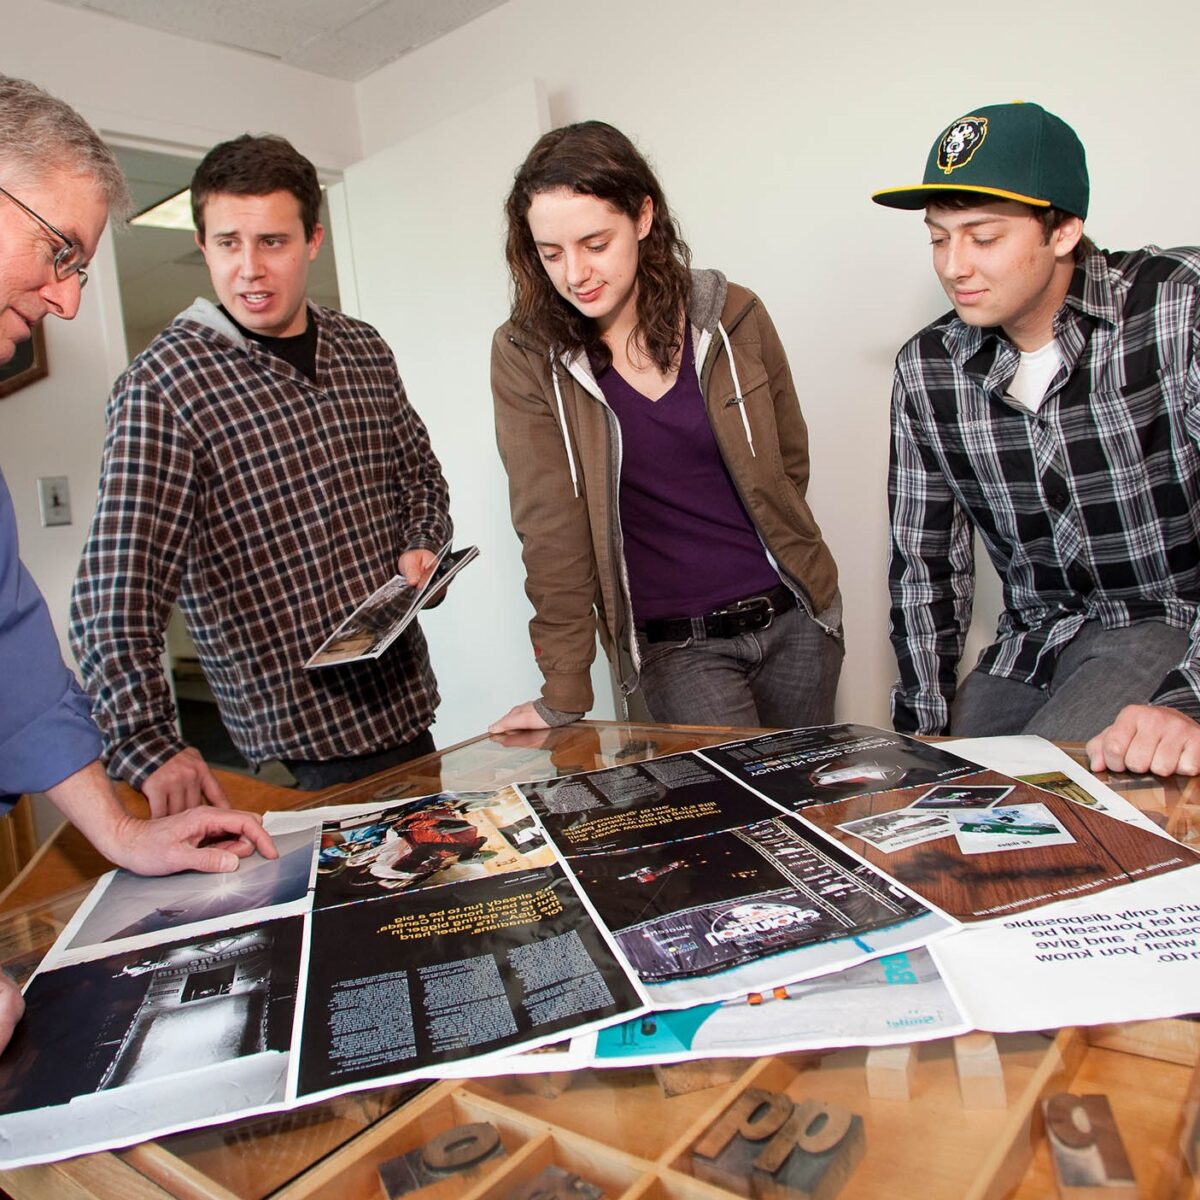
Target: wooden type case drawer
(618, 1130)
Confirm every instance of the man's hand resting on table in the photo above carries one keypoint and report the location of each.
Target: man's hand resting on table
(182, 782)
(198, 839)
(1147, 739)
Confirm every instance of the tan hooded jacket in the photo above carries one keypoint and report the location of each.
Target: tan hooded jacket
(561, 446)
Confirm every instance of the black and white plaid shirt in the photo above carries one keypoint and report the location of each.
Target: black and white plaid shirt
(269, 505)
(1089, 508)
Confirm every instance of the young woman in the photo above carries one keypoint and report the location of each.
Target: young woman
(657, 459)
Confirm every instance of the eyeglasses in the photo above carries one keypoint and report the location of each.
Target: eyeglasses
(69, 258)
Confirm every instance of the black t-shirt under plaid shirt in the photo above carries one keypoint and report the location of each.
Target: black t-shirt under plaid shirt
(1088, 508)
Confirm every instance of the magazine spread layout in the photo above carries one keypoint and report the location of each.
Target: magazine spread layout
(815, 887)
(387, 612)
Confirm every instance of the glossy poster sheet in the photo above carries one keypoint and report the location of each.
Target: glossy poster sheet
(1088, 853)
(895, 997)
(471, 970)
(126, 909)
(1132, 951)
(151, 1041)
(387, 943)
(1130, 954)
(711, 891)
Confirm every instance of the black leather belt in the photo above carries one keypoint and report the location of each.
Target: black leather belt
(755, 612)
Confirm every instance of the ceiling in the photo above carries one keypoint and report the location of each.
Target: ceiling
(160, 270)
(344, 39)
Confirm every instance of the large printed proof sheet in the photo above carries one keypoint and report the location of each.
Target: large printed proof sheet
(665, 904)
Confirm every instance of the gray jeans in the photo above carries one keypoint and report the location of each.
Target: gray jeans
(784, 676)
(1099, 672)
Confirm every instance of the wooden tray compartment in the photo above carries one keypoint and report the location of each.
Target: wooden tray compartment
(352, 1172)
(1154, 1103)
(617, 1174)
(928, 1147)
(257, 1156)
(624, 1108)
(618, 1129)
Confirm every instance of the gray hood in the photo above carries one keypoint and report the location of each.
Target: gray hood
(708, 299)
(205, 313)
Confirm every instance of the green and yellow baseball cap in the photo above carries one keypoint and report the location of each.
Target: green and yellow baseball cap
(1015, 151)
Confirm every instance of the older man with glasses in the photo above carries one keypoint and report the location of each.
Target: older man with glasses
(70, 257)
(58, 183)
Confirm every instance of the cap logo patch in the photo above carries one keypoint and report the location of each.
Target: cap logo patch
(960, 142)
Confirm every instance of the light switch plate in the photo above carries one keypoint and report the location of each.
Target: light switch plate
(54, 499)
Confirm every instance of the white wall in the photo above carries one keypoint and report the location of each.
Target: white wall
(56, 427)
(143, 87)
(771, 121)
(427, 299)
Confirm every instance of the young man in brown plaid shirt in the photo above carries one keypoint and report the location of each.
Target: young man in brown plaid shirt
(263, 467)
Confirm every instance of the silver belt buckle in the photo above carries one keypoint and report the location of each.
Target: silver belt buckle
(755, 604)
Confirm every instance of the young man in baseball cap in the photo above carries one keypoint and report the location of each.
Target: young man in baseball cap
(1055, 411)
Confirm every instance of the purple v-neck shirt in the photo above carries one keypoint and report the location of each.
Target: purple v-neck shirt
(689, 544)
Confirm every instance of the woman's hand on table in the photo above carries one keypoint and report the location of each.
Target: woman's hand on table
(522, 716)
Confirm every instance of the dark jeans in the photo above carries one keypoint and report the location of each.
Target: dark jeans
(1100, 671)
(782, 677)
(315, 776)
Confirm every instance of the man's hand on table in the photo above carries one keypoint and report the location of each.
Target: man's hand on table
(1147, 739)
(200, 839)
(197, 839)
(182, 782)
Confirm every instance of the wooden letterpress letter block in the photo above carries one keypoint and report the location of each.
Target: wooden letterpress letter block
(462, 1147)
(1189, 1129)
(677, 1079)
(726, 1152)
(980, 1075)
(1089, 1157)
(457, 1151)
(890, 1072)
(811, 1156)
(555, 1183)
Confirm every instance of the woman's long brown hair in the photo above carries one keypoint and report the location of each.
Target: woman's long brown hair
(594, 159)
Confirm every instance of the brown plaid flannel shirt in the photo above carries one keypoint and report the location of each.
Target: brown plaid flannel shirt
(268, 505)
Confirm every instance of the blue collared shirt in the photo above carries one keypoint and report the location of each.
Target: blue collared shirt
(46, 728)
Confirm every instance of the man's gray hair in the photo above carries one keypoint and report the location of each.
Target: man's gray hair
(40, 134)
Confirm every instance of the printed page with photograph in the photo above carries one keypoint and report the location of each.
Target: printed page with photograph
(385, 614)
(781, 890)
